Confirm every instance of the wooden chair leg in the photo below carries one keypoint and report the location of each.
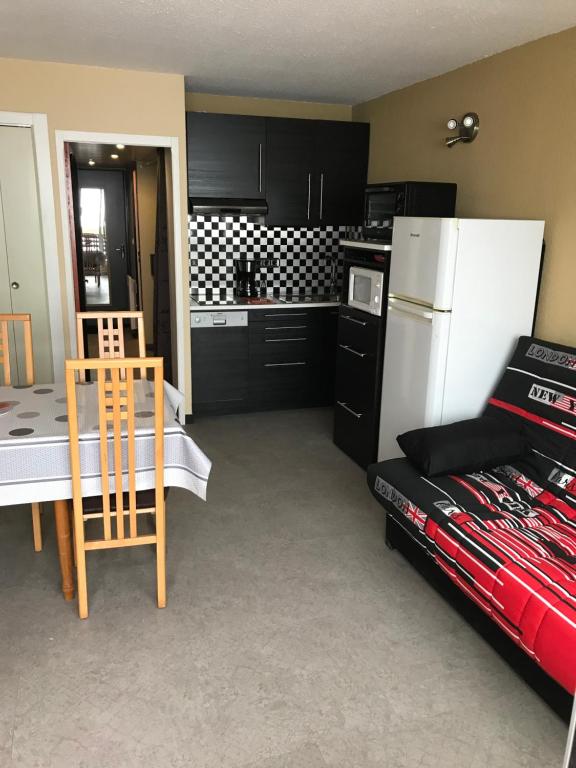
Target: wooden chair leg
(82, 584)
(160, 562)
(37, 527)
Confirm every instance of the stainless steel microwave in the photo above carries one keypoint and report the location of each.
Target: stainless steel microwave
(366, 289)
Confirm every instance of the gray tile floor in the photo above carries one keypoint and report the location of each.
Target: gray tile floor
(292, 638)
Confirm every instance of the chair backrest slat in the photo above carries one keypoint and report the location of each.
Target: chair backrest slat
(117, 431)
(104, 468)
(114, 402)
(110, 325)
(131, 431)
(5, 353)
(25, 320)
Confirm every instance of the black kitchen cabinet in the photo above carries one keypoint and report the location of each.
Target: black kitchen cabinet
(342, 165)
(287, 358)
(283, 358)
(315, 172)
(312, 172)
(291, 188)
(358, 384)
(226, 155)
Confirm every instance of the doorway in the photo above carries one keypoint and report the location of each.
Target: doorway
(174, 263)
(119, 198)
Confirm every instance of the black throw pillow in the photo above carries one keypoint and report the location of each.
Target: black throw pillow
(464, 446)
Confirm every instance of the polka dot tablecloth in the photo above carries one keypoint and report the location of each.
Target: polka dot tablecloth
(34, 444)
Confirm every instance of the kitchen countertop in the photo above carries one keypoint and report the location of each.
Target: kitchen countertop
(228, 301)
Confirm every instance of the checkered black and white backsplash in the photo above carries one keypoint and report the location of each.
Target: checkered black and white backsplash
(304, 255)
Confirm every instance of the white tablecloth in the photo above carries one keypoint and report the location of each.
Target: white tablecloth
(34, 444)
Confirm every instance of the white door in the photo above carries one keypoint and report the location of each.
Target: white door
(414, 370)
(22, 270)
(423, 260)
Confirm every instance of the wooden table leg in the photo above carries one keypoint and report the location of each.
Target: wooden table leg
(64, 540)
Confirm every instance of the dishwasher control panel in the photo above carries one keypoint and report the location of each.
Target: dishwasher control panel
(207, 319)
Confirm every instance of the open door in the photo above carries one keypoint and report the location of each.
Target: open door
(73, 206)
(162, 324)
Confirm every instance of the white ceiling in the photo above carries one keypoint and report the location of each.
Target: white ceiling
(343, 51)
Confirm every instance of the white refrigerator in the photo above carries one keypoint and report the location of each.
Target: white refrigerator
(461, 292)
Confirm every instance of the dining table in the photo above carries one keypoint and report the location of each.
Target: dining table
(35, 451)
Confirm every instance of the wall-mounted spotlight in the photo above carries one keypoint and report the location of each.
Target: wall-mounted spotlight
(467, 128)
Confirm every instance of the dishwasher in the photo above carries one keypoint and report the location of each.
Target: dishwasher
(219, 361)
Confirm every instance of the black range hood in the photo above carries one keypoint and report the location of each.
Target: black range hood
(224, 206)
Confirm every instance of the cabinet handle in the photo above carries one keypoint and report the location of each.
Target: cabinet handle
(288, 314)
(353, 320)
(321, 194)
(284, 327)
(274, 341)
(260, 167)
(347, 408)
(309, 185)
(354, 351)
(277, 365)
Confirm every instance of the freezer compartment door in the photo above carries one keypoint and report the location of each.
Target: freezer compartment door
(423, 260)
(414, 372)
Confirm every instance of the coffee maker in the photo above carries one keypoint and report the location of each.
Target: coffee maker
(245, 276)
(247, 281)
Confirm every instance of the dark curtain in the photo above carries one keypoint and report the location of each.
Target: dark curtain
(162, 330)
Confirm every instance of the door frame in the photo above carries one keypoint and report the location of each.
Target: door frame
(38, 123)
(167, 142)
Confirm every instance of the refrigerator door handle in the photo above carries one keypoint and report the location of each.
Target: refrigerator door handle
(416, 311)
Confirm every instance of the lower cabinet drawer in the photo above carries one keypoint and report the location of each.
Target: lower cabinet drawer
(355, 432)
(281, 317)
(356, 378)
(294, 350)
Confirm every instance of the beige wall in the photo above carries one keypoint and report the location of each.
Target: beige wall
(80, 98)
(147, 185)
(241, 105)
(523, 163)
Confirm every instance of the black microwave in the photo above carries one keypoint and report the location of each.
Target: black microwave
(404, 198)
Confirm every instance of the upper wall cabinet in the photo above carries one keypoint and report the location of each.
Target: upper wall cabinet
(316, 171)
(312, 172)
(225, 155)
(342, 168)
(291, 188)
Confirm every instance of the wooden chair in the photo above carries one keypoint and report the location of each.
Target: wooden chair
(117, 435)
(6, 321)
(110, 335)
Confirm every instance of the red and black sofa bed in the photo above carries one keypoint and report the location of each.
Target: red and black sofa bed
(486, 510)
